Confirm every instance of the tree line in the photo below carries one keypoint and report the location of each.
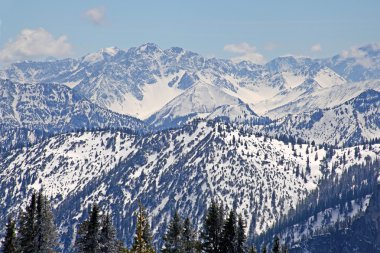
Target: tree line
(222, 232)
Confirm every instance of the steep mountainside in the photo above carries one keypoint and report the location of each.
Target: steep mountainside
(179, 169)
(311, 96)
(354, 121)
(28, 112)
(361, 236)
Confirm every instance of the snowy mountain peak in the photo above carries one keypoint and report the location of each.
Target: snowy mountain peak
(199, 100)
(112, 51)
(149, 48)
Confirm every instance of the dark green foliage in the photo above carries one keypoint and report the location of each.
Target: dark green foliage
(143, 239)
(276, 248)
(240, 236)
(46, 231)
(190, 244)
(9, 244)
(212, 229)
(37, 232)
(88, 236)
(107, 240)
(97, 234)
(252, 250)
(173, 237)
(27, 228)
(228, 243)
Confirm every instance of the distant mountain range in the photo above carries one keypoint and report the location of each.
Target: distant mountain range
(167, 88)
(141, 80)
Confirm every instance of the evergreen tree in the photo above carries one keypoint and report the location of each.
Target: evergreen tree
(80, 242)
(142, 241)
(107, 240)
(212, 229)
(276, 245)
(264, 249)
(173, 237)
(27, 229)
(9, 244)
(189, 241)
(228, 242)
(46, 232)
(89, 233)
(285, 249)
(240, 236)
(252, 249)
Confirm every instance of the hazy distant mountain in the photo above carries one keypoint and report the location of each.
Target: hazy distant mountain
(142, 80)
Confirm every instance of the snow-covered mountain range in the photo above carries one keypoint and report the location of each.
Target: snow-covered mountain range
(141, 81)
(174, 129)
(183, 168)
(167, 88)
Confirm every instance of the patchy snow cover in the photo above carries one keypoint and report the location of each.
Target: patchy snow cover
(321, 221)
(179, 169)
(351, 122)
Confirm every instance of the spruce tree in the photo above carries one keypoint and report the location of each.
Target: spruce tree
(276, 245)
(228, 242)
(212, 229)
(285, 249)
(252, 249)
(9, 244)
(89, 233)
(80, 241)
(142, 241)
(27, 229)
(264, 249)
(189, 241)
(240, 236)
(46, 232)
(107, 240)
(173, 237)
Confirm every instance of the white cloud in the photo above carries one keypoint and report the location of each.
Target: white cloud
(316, 48)
(96, 15)
(246, 52)
(360, 54)
(34, 44)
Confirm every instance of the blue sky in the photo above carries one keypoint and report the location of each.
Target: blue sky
(257, 30)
